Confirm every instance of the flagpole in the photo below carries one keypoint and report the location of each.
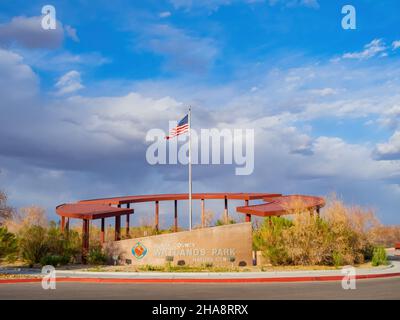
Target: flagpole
(190, 168)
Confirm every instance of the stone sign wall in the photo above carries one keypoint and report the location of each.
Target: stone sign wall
(220, 246)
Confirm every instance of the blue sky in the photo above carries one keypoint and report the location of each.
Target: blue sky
(76, 102)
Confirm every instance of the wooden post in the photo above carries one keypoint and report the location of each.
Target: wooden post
(248, 216)
(117, 228)
(176, 216)
(85, 240)
(127, 221)
(157, 213)
(226, 217)
(62, 224)
(318, 211)
(203, 216)
(102, 233)
(67, 225)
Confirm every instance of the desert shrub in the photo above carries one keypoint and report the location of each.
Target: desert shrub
(341, 236)
(337, 259)
(33, 244)
(379, 257)
(269, 239)
(25, 218)
(54, 260)
(221, 222)
(307, 241)
(66, 245)
(386, 236)
(208, 217)
(30, 226)
(149, 267)
(37, 241)
(350, 229)
(8, 244)
(40, 244)
(96, 255)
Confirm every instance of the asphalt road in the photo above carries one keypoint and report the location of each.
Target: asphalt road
(366, 289)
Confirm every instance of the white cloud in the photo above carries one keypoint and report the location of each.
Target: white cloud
(390, 117)
(296, 3)
(62, 61)
(164, 14)
(184, 51)
(335, 157)
(28, 32)
(323, 92)
(372, 49)
(14, 73)
(396, 44)
(71, 33)
(253, 89)
(310, 3)
(69, 83)
(209, 4)
(215, 4)
(103, 135)
(391, 149)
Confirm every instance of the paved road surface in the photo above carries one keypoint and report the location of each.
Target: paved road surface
(366, 289)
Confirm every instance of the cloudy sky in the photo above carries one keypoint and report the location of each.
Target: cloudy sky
(76, 102)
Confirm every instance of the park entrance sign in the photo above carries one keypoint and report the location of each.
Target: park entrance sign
(228, 245)
(200, 244)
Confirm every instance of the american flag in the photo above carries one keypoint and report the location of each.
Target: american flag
(181, 128)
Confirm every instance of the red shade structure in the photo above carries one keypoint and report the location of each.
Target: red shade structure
(282, 205)
(87, 212)
(275, 205)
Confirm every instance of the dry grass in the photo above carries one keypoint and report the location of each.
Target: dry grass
(386, 236)
(4, 276)
(26, 217)
(144, 229)
(342, 235)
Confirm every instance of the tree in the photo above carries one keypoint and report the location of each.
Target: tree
(8, 244)
(6, 212)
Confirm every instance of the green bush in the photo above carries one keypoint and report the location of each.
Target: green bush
(221, 222)
(66, 245)
(379, 257)
(269, 239)
(149, 267)
(33, 244)
(337, 258)
(8, 244)
(54, 260)
(96, 255)
(48, 245)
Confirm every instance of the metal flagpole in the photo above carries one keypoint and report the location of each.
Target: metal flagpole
(190, 168)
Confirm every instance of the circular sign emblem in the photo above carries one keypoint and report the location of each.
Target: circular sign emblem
(139, 250)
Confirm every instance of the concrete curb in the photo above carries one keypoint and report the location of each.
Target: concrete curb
(201, 280)
(392, 270)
